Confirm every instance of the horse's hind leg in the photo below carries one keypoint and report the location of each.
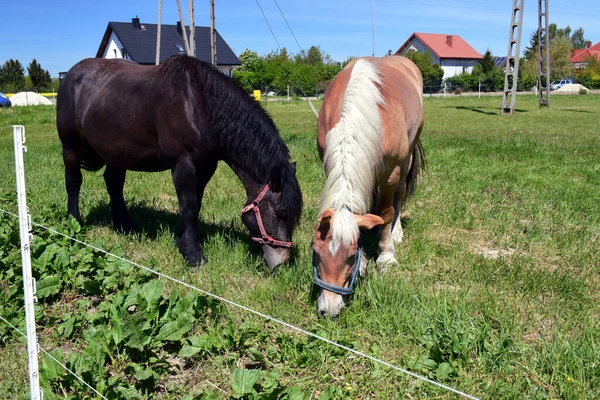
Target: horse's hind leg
(399, 200)
(385, 209)
(184, 179)
(115, 180)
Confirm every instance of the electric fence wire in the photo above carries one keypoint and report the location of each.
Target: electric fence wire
(252, 311)
(52, 357)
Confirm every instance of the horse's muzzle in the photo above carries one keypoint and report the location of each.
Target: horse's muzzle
(275, 256)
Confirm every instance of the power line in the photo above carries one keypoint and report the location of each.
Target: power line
(289, 27)
(269, 25)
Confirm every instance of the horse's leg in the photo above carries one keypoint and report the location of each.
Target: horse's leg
(114, 178)
(204, 172)
(399, 199)
(184, 178)
(73, 179)
(386, 208)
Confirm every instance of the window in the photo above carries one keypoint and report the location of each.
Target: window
(180, 48)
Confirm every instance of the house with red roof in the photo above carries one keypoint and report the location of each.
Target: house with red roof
(579, 57)
(451, 52)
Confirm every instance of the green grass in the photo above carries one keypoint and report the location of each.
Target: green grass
(522, 325)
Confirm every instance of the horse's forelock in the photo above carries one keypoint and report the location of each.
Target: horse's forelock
(344, 230)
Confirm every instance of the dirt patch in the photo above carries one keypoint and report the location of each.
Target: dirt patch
(493, 254)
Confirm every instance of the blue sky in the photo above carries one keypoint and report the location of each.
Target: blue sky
(59, 33)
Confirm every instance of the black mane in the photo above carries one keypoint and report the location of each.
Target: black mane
(247, 135)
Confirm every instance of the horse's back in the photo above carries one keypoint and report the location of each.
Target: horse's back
(401, 112)
(113, 106)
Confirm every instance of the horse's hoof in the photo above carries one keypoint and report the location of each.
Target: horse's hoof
(129, 227)
(385, 262)
(197, 261)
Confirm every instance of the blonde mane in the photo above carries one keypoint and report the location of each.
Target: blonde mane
(353, 153)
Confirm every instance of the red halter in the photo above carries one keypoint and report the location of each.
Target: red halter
(265, 237)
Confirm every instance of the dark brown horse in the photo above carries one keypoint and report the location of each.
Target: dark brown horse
(185, 116)
(368, 137)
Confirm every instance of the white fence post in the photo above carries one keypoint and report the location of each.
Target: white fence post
(28, 281)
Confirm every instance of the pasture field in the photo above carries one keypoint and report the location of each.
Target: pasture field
(496, 293)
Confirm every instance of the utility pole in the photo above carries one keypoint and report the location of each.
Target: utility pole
(158, 32)
(192, 28)
(512, 61)
(511, 73)
(543, 54)
(213, 35)
(183, 30)
(373, 24)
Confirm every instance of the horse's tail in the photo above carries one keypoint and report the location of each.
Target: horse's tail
(90, 159)
(417, 165)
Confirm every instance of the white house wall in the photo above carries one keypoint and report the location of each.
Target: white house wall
(226, 69)
(457, 66)
(114, 48)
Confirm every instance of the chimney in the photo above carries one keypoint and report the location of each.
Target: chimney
(589, 44)
(179, 30)
(136, 22)
(450, 40)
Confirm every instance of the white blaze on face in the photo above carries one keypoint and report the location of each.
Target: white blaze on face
(329, 304)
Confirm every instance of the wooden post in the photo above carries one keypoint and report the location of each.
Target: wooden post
(183, 31)
(158, 32)
(192, 28)
(213, 35)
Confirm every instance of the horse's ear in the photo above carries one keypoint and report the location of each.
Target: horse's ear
(325, 222)
(325, 217)
(368, 221)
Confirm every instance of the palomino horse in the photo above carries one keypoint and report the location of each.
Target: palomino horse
(368, 138)
(183, 115)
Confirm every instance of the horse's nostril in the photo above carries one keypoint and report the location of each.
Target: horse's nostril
(323, 313)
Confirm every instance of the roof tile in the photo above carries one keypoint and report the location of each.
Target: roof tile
(439, 44)
(140, 43)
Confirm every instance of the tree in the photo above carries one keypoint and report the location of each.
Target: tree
(249, 73)
(558, 33)
(306, 74)
(589, 76)
(488, 74)
(560, 51)
(12, 76)
(578, 39)
(314, 56)
(487, 64)
(250, 61)
(530, 51)
(432, 72)
(40, 79)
